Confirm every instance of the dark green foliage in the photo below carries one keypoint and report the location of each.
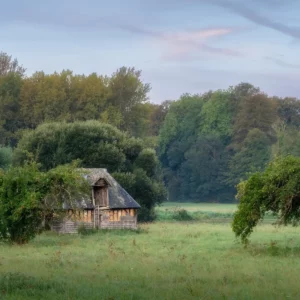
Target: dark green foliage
(5, 157)
(252, 157)
(216, 116)
(276, 190)
(203, 168)
(146, 191)
(288, 110)
(209, 143)
(28, 195)
(148, 161)
(182, 215)
(21, 198)
(258, 112)
(10, 89)
(95, 144)
(98, 145)
(193, 143)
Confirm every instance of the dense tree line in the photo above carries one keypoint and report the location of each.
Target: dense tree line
(206, 143)
(211, 142)
(120, 100)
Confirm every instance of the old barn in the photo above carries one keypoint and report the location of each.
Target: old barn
(109, 206)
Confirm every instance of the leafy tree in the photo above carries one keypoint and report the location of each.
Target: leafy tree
(112, 115)
(158, 116)
(28, 195)
(88, 97)
(257, 111)
(243, 91)
(119, 100)
(9, 65)
(288, 140)
(180, 122)
(10, 120)
(63, 97)
(148, 161)
(127, 91)
(216, 118)
(139, 119)
(193, 143)
(253, 156)
(53, 144)
(202, 171)
(276, 190)
(252, 137)
(289, 111)
(145, 190)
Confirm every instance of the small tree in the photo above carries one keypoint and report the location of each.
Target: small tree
(27, 195)
(275, 190)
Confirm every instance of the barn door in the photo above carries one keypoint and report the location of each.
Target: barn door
(101, 196)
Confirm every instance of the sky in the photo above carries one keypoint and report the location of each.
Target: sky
(181, 46)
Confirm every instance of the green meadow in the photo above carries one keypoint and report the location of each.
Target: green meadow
(195, 207)
(165, 260)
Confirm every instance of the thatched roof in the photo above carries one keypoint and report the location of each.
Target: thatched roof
(118, 197)
(93, 175)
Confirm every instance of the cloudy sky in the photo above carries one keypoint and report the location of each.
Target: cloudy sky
(180, 45)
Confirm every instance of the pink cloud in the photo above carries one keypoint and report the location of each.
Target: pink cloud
(188, 44)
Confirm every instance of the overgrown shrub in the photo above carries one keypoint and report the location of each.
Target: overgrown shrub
(146, 215)
(182, 215)
(28, 195)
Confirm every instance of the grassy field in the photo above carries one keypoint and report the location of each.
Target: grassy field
(164, 260)
(170, 211)
(205, 207)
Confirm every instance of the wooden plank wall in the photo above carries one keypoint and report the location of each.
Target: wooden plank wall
(111, 219)
(68, 226)
(116, 214)
(85, 216)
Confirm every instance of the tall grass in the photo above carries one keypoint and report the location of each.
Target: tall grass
(204, 212)
(181, 214)
(179, 260)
